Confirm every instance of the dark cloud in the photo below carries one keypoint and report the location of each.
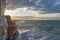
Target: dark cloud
(19, 3)
(44, 5)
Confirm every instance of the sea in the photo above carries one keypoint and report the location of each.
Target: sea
(40, 29)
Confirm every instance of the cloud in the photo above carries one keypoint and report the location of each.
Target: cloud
(8, 12)
(40, 6)
(50, 15)
(32, 13)
(23, 12)
(19, 3)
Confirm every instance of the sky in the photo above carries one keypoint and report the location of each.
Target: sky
(35, 8)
